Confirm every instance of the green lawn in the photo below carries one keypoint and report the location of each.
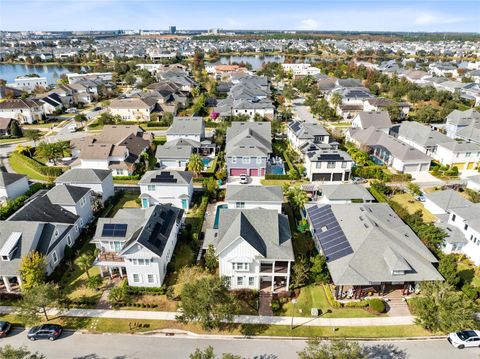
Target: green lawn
(6, 141)
(407, 201)
(126, 198)
(183, 256)
(21, 168)
(467, 272)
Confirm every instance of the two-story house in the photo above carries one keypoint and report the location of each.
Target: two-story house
(133, 109)
(298, 133)
(99, 181)
(378, 119)
(12, 185)
(248, 197)
(23, 110)
(329, 165)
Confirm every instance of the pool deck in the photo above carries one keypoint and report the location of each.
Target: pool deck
(210, 215)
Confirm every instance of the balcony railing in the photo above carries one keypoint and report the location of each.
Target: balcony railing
(109, 257)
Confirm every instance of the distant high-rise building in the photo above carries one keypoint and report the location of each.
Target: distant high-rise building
(172, 29)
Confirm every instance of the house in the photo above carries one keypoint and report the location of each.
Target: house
(192, 128)
(473, 183)
(327, 165)
(99, 181)
(458, 120)
(248, 147)
(344, 193)
(463, 155)
(102, 76)
(6, 125)
(12, 185)
(22, 110)
(117, 148)
(47, 223)
(174, 155)
(443, 202)
(52, 103)
(27, 83)
(133, 109)
(369, 249)
(301, 69)
(138, 243)
(248, 197)
(167, 187)
(375, 104)
(254, 248)
(299, 133)
(378, 119)
(389, 150)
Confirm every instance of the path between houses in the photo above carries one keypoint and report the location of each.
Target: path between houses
(239, 319)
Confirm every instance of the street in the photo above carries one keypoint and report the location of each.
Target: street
(98, 346)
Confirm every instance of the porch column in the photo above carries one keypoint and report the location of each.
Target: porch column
(121, 272)
(288, 275)
(101, 271)
(273, 283)
(6, 282)
(19, 281)
(110, 271)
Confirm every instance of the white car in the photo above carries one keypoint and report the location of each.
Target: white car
(465, 339)
(243, 178)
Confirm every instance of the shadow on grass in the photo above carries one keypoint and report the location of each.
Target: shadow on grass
(467, 275)
(96, 356)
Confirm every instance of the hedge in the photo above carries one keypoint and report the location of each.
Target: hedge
(37, 166)
(12, 206)
(126, 178)
(377, 305)
(271, 176)
(146, 290)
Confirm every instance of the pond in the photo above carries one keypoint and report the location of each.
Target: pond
(9, 72)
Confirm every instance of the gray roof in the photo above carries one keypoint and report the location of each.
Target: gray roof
(306, 130)
(422, 135)
(463, 118)
(254, 193)
(454, 234)
(264, 229)
(460, 146)
(9, 178)
(83, 175)
(346, 191)
(181, 177)
(377, 119)
(174, 152)
(66, 194)
(474, 179)
(186, 126)
(381, 243)
(249, 139)
(447, 199)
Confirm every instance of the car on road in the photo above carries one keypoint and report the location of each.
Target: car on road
(71, 110)
(465, 339)
(5, 327)
(45, 331)
(243, 178)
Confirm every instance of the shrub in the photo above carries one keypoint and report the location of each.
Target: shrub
(470, 291)
(377, 305)
(276, 306)
(357, 304)
(272, 176)
(126, 178)
(331, 300)
(49, 171)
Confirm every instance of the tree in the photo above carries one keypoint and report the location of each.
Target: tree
(448, 269)
(443, 309)
(297, 198)
(32, 135)
(118, 294)
(9, 352)
(50, 151)
(211, 260)
(195, 164)
(211, 187)
(33, 268)
(209, 353)
(335, 349)
(336, 99)
(319, 270)
(414, 188)
(94, 282)
(300, 273)
(39, 299)
(85, 261)
(395, 112)
(208, 301)
(426, 114)
(15, 129)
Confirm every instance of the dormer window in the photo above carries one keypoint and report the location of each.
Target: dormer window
(398, 272)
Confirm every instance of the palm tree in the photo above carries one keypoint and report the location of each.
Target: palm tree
(336, 99)
(195, 164)
(85, 261)
(32, 135)
(24, 149)
(297, 198)
(47, 150)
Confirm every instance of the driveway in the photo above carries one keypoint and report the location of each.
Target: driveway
(425, 179)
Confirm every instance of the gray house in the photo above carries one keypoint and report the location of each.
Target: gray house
(12, 185)
(99, 181)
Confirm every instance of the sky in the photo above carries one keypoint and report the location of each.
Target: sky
(348, 15)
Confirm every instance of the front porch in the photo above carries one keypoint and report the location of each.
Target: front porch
(10, 284)
(356, 292)
(274, 276)
(110, 263)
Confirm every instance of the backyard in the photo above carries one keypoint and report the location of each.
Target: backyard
(407, 201)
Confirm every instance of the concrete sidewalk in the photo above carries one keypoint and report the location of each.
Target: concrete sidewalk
(239, 319)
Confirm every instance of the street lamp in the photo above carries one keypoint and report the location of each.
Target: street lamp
(294, 301)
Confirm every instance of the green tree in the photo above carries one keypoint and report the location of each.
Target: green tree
(443, 309)
(10, 352)
(118, 294)
(208, 301)
(15, 129)
(39, 300)
(335, 349)
(447, 267)
(211, 187)
(300, 273)
(209, 353)
(426, 114)
(297, 198)
(336, 99)
(195, 164)
(85, 261)
(50, 151)
(211, 260)
(94, 282)
(395, 112)
(414, 188)
(33, 268)
(319, 269)
(32, 135)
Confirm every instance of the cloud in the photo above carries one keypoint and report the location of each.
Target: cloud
(435, 19)
(308, 24)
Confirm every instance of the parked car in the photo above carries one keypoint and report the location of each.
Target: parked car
(243, 178)
(420, 198)
(71, 110)
(465, 339)
(5, 327)
(98, 108)
(359, 180)
(45, 331)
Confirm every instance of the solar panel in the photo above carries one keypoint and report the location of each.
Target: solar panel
(114, 230)
(164, 177)
(332, 239)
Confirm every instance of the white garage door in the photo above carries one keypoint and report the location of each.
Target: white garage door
(410, 168)
(424, 167)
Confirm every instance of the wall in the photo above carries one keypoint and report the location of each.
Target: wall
(168, 194)
(15, 189)
(250, 205)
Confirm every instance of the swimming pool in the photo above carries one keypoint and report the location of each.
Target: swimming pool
(217, 215)
(277, 169)
(376, 160)
(206, 161)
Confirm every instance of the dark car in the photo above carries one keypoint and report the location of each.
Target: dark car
(45, 331)
(98, 108)
(5, 327)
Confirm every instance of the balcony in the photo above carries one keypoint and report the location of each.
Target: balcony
(108, 258)
(280, 268)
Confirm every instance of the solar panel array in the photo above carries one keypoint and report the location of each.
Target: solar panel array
(164, 177)
(114, 230)
(332, 239)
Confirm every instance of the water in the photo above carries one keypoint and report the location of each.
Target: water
(217, 215)
(9, 72)
(277, 169)
(206, 161)
(258, 60)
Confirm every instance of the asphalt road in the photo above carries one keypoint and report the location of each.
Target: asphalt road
(124, 346)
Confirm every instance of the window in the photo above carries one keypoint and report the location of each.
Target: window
(150, 278)
(398, 272)
(54, 256)
(228, 281)
(465, 227)
(81, 222)
(136, 278)
(241, 266)
(246, 160)
(69, 240)
(151, 187)
(453, 217)
(330, 164)
(56, 233)
(318, 164)
(467, 154)
(259, 160)
(344, 164)
(239, 204)
(234, 159)
(141, 262)
(83, 200)
(251, 281)
(239, 280)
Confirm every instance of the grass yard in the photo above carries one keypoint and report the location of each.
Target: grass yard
(183, 256)
(268, 182)
(127, 197)
(21, 168)
(407, 201)
(7, 141)
(161, 302)
(467, 272)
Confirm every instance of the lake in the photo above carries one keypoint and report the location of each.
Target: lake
(258, 60)
(9, 72)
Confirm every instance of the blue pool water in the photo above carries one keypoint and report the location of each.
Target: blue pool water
(206, 161)
(376, 161)
(277, 170)
(217, 214)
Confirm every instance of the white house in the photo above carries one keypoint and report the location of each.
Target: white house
(138, 243)
(254, 248)
(301, 69)
(167, 187)
(248, 197)
(27, 83)
(99, 181)
(192, 128)
(463, 155)
(298, 133)
(328, 165)
(12, 185)
(344, 193)
(25, 111)
(473, 183)
(378, 119)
